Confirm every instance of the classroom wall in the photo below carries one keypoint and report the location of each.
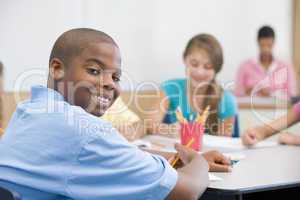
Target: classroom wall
(151, 34)
(28, 31)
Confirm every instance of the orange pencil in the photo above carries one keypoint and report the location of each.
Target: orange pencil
(177, 157)
(202, 118)
(180, 116)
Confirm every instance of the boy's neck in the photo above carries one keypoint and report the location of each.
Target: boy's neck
(266, 61)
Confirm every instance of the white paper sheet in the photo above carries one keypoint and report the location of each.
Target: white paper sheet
(214, 178)
(223, 144)
(232, 143)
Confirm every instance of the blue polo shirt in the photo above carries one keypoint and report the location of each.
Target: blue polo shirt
(54, 150)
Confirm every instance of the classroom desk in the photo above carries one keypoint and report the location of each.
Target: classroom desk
(264, 174)
(269, 103)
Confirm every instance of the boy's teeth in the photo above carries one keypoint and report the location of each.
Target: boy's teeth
(103, 99)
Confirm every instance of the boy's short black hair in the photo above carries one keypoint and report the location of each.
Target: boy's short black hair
(266, 32)
(71, 43)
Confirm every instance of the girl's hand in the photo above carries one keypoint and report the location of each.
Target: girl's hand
(287, 138)
(253, 136)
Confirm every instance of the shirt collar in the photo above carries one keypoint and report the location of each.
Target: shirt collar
(40, 92)
(259, 65)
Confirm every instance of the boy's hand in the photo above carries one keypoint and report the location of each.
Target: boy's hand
(185, 154)
(217, 162)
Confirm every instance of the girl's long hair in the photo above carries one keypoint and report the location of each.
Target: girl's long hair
(214, 92)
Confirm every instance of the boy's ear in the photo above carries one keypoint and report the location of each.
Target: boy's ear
(57, 69)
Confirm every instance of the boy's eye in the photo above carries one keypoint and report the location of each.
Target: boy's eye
(93, 71)
(116, 79)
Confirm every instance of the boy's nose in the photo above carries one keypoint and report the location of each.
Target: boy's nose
(108, 82)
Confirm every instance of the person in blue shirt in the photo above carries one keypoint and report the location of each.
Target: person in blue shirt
(203, 59)
(56, 147)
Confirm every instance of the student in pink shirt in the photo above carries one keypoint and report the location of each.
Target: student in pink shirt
(266, 75)
(256, 134)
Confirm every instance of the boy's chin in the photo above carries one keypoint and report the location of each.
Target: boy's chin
(98, 112)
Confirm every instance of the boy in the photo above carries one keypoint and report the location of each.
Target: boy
(56, 147)
(266, 75)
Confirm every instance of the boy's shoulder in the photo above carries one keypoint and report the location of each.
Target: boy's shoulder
(60, 116)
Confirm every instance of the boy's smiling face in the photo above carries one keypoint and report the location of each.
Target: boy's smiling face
(91, 79)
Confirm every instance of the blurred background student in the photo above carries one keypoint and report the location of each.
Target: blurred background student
(265, 75)
(203, 59)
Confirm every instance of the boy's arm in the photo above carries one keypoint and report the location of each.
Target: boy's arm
(192, 181)
(137, 171)
(166, 155)
(192, 178)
